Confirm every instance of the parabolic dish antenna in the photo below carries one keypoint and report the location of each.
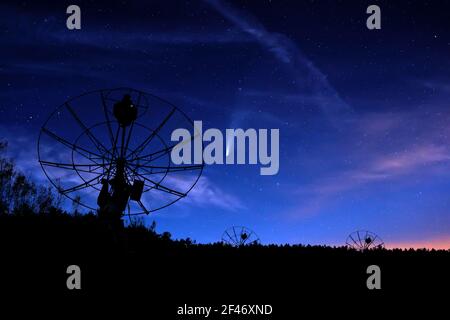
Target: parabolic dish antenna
(237, 236)
(111, 149)
(364, 240)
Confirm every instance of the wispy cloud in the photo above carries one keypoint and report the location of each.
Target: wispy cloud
(140, 40)
(48, 30)
(205, 193)
(378, 124)
(380, 150)
(313, 85)
(384, 167)
(22, 148)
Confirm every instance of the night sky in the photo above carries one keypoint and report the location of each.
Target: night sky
(363, 115)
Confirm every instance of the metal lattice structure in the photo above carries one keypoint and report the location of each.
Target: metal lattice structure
(111, 149)
(364, 240)
(238, 236)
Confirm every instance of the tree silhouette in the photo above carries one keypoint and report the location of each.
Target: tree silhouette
(6, 176)
(20, 195)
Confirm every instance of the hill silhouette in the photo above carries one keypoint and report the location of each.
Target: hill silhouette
(39, 240)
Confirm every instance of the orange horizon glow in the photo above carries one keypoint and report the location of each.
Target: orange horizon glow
(436, 243)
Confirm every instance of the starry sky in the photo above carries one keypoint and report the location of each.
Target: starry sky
(363, 115)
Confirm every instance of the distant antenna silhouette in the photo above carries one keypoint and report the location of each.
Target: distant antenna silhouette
(110, 150)
(238, 236)
(364, 240)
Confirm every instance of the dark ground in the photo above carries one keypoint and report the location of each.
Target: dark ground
(150, 272)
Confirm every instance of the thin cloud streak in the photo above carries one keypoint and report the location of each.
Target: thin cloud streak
(312, 83)
(384, 168)
(205, 193)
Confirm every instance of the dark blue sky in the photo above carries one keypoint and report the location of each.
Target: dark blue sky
(363, 115)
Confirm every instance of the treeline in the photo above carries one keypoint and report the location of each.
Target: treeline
(19, 195)
(31, 211)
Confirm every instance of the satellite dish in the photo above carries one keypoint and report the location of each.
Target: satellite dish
(237, 236)
(364, 240)
(110, 150)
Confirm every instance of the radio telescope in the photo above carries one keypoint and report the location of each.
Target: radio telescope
(364, 240)
(239, 236)
(110, 150)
